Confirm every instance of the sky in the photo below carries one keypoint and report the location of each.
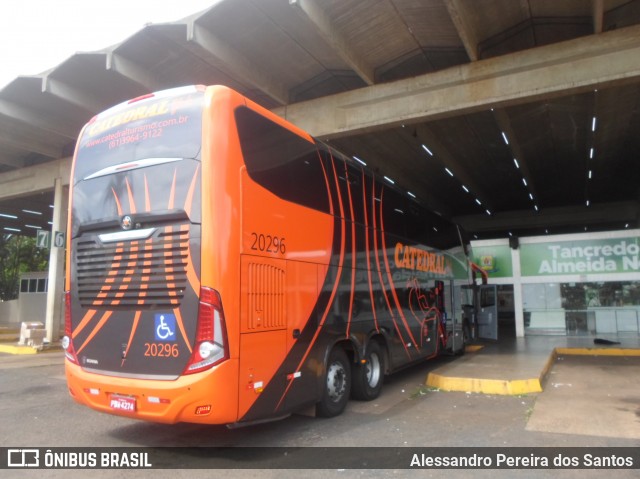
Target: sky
(36, 35)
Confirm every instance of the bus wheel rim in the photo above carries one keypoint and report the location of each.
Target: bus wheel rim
(336, 381)
(373, 370)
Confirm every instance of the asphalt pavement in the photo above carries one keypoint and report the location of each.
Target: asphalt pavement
(586, 402)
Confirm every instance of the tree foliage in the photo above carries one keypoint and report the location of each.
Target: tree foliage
(18, 254)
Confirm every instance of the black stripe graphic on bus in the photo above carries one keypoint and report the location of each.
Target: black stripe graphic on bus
(366, 224)
(308, 349)
(308, 353)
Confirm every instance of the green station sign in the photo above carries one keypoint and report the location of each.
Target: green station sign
(601, 256)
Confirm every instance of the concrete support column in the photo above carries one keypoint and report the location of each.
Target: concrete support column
(55, 294)
(517, 292)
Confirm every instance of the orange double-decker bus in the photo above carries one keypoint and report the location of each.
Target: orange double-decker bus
(225, 267)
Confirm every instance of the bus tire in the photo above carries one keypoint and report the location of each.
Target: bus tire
(369, 376)
(336, 386)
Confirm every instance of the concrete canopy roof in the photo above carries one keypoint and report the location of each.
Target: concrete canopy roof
(502, 94)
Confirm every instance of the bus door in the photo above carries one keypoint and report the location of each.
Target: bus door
(487, 314)
(453, 320)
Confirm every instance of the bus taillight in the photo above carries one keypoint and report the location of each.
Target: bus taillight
(211, 336)
(67, 343)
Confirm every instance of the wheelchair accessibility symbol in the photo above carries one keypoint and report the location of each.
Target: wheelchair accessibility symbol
(165, 325)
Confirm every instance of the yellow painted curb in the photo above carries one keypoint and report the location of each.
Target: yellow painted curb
(518, 386)
(15, 349)
(598, 352)
(473, 348)
(484, 386)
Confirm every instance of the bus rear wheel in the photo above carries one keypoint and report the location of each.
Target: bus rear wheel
(368, 376)
(336, 385)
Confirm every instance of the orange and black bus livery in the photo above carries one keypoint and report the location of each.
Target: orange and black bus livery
(225, 267)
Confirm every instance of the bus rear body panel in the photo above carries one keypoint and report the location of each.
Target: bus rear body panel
(207, 397)
(134, 284)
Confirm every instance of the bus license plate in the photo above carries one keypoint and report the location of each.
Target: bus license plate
(122, 403)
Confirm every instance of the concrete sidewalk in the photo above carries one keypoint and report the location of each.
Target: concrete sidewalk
(519, 365)
(9, 338)
(590, 396)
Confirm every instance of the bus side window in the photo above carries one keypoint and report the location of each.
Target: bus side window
(487, 297)
(354, 175)
(434, 230)
(282, 162)
(350, 184)
(416, 222)
(394, 210)
(343, 183)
